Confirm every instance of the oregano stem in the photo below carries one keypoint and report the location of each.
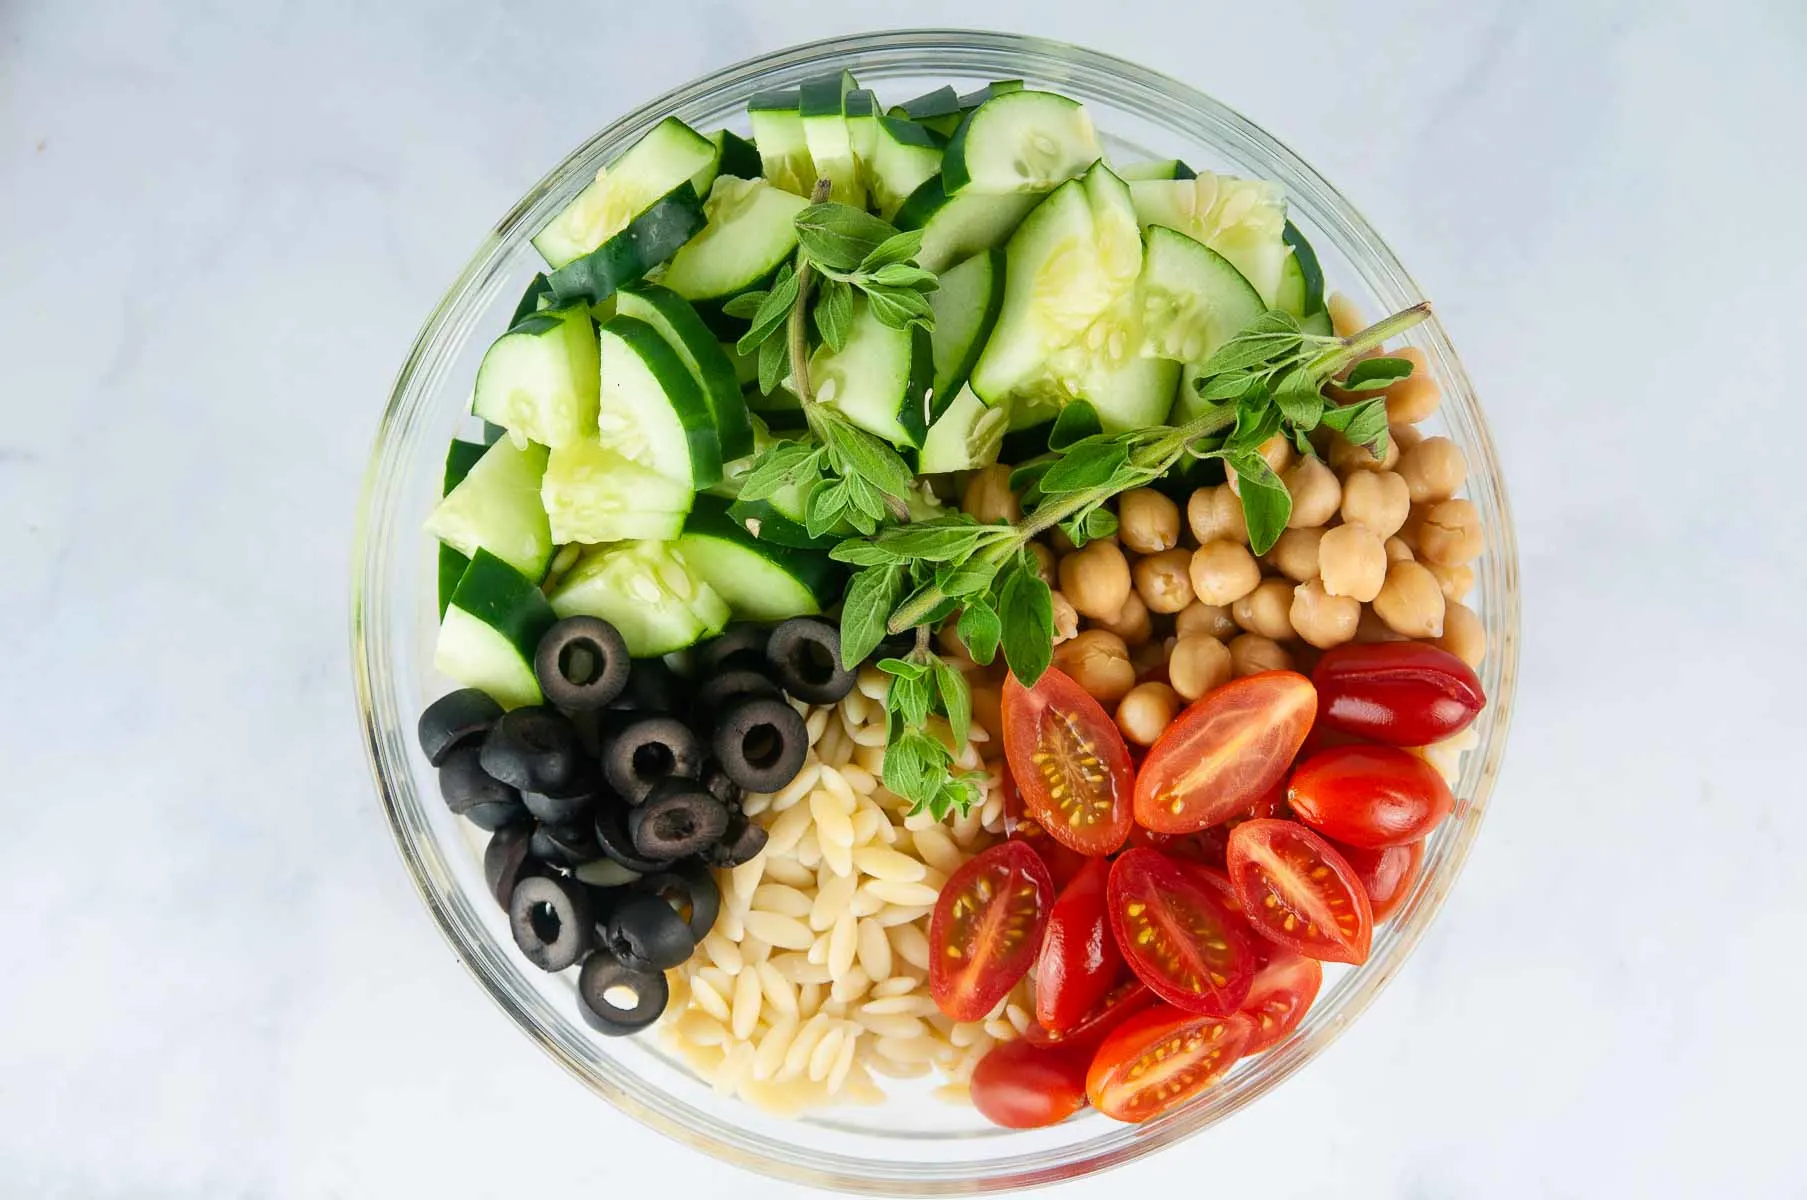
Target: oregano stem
(1334, 361)
(797, 331)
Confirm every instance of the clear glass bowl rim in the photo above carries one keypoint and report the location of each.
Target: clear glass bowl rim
(1181, 110)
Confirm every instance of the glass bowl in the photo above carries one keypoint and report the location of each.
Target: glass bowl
(913, 1145)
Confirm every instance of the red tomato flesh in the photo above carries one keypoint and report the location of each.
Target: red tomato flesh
(1369, 796)
(987, 928)
(1386, 874)
(1224, 752)
(1126, 998)
(1185, 943)
(1079, 960)
(1023, 1086)
(1400, 693)
(1063, 863)
(1278, 999)
(1162, 1058)
(1298, 892)
(1069, 761)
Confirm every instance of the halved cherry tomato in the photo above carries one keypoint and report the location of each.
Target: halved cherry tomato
(1219, 882)
(1273, 803)
(1185, 943)
(1126, 998)
(1079, 959)
(987, 928)
(1369, 796)
(1224, 752)
(1296, 890)
(1070, 762)
(1162, 1058)
(1282, 992)
(1400, 693)
(1023, 1086)
(1386, 874)
(1063, 863)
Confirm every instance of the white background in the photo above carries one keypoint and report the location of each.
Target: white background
(220, 225)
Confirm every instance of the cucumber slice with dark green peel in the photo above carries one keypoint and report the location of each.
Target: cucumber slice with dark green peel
(760, 581)
(538, 380)
(783, 148)
(1192, 299)
(880, 377)
(966, 307)
(671, 153)
(779, 519)
(459, 459)
(954, 229)
(537, 290)
(752, 229)
(901, 158)
(825, 132)
(493, 433)
(968, 435)
(1242, 219)
(781, 411)
(646, 590)
(496, 507)
(739, 157)
(991, 91)
(491, 630)
(652, 409)
(1317, 323)
(684, 331)
(592, 494)
(1025, 141)
(1166, 168)
(651, 238)
(859, 109)
(1301, 279)
(944, 101)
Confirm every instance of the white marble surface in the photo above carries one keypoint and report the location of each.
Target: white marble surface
(223, 222)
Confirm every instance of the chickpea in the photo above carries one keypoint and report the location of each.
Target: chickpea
(1044, 563)
(1411, 602)
(1164, 581)
(1416, 396)
(1096, 580)
(1451, 534)
(1404, 436)
(1148, 522)
(1131, 623)
(1224, 572)
(1378, 499)
(1264, 610)
(1315, 493)
(1463, 634)
(988, 711)
(1098, 661)
(1295, 555)
(1146, 712)
(1372, 629)
(1434, 470)
(1208, 620)
(1456, 582)
(1066, 619)
(1150, 660)
(1198, 664)
(988, 497)
(1345, 318)
(1348, 458)
(1397, 550)
(1352, 562)
(1322, 619)
(1215, 514)
(1277, 451)
(1251, 654)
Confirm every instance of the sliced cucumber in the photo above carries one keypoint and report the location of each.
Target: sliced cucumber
(938, 111)
(538, 380)
(496, 507)
(670, 154)
(759, 580)
(735, 473)
(967, 436)
(780, 410)
(1024, 141)
(880, 378)
(1302, 279)
(783, 148)
(684, 331)
(490, 632)
(651, 238)
(652, 409)
(1242, 219)
(1166, 168)
(752, 228)
(819, 105)
(902, 158)
(739, 158)
(779, 519)
(992, 90)
(648, 591)
(460, 457)
(954, 229)
(1318, 323)
(1073, 258)
(859, 108)
(538, 289)
(1129, 393)
(966, 307)
(1193, 300)
(592, 494)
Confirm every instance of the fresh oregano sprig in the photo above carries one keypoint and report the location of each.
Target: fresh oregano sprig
(918, 765)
